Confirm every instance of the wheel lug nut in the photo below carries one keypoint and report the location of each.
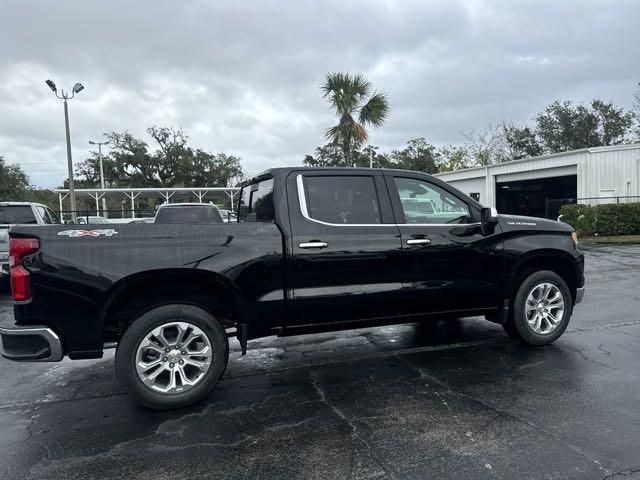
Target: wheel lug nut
(167, 350)
(183, 352)
(171, 365)
(181, 362)
(164, 359)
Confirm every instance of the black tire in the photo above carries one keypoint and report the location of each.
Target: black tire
(517, 326)
(128, 345)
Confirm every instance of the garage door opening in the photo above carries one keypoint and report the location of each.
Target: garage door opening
(541, 197)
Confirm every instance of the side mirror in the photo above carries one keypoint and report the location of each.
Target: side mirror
(488, 220)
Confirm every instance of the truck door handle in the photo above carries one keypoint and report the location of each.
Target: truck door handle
(418, 241)
(313, 244)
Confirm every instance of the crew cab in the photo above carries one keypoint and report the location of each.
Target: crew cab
(313, 249)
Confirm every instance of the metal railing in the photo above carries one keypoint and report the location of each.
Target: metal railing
(609, 199)
(118, 215)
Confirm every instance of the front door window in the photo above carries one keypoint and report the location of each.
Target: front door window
(425, 203)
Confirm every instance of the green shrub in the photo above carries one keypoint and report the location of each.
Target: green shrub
(609, 219)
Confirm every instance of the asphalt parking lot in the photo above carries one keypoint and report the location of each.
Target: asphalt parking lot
(447, 399)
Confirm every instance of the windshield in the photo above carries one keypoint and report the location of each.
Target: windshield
(17, 214)
(189, 214)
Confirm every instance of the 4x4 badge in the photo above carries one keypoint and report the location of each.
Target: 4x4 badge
(107, 232)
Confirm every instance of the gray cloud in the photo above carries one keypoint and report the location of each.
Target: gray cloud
(243, 77)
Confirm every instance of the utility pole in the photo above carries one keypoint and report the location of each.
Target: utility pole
(77, 88)
(104, 200)
(371, 158)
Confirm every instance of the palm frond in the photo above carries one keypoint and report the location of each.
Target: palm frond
(333, 134)
(344, 91)
(350, 95)
(360, 133)
(361, 85)
(350, 130)
(375, 111)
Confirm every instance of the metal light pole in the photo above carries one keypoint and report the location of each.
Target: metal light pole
(77, 88)
(104, 200)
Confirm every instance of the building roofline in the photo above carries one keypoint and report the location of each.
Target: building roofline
(609, 148)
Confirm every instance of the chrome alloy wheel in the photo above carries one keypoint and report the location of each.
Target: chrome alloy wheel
(544, 308)
(173, 357)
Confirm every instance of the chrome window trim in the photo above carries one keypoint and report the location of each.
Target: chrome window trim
(302, 200)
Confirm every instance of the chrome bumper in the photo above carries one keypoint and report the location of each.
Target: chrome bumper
(30, 344)
(579, 295)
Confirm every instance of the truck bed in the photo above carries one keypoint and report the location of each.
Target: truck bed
(77, 272)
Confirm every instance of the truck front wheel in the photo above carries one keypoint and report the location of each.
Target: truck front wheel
(541, 309)
(172, 356)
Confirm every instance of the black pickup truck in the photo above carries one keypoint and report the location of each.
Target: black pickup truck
(312, 250)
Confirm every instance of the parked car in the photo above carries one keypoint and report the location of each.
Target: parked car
(227, 215)
(197, 213)
(312, 250)
(20, 213)
(91, 219)
(141, 220)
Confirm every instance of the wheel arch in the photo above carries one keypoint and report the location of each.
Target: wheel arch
(133, 295)
(557, 261)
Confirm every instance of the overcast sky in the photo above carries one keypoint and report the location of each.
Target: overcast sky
(243, 77)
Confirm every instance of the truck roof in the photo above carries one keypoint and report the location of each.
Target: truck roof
(279, 171)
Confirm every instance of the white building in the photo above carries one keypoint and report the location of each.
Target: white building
(538, 186)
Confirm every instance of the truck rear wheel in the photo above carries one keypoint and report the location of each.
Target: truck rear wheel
(172, 356)
(541, 309)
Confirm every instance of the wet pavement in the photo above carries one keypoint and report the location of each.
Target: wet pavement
(444, 399)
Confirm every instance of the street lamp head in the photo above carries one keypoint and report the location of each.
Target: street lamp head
(52, 86)
(91, 142)
(77, 88)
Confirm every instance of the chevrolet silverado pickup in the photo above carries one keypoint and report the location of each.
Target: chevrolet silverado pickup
(313, 249)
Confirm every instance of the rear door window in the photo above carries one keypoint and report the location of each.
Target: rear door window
(43, 214)
(342, 199)
(52, 215)
(256, 202)
(17, 215)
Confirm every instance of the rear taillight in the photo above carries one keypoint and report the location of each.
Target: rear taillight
(20, 277)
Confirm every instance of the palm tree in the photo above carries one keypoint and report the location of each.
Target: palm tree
(350, 96)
